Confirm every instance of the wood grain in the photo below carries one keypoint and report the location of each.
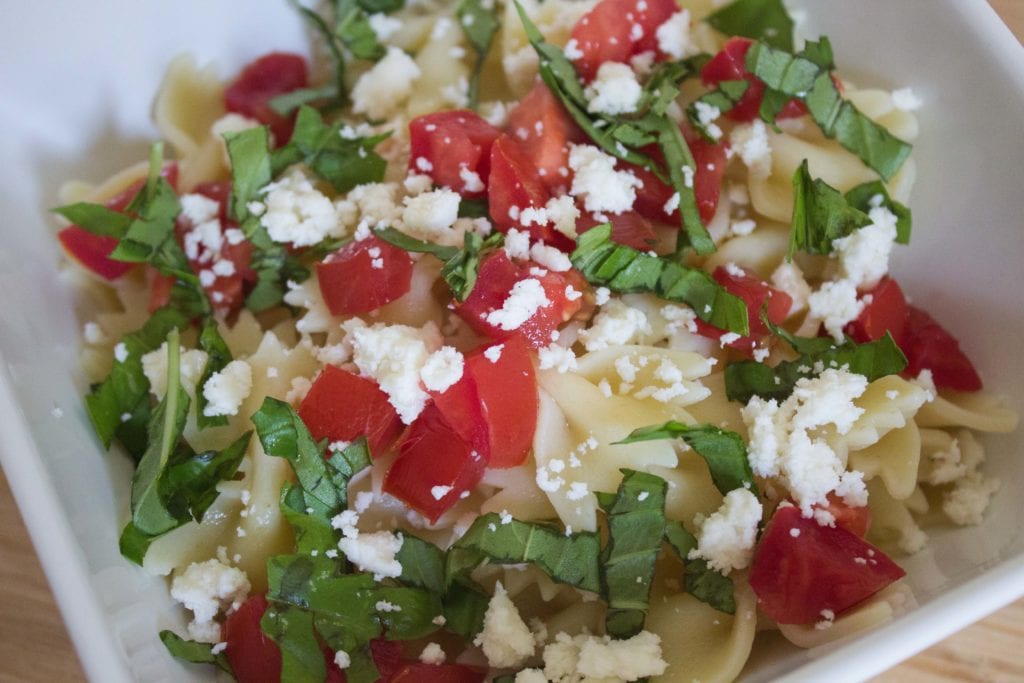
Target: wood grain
(35, 648)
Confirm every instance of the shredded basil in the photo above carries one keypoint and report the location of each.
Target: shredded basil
(803, 77)
(480, 23)
(636, 525)
(699, 580)
(96, 218)
(765, 20)
(623, 269)
(194, 652)
(722, 450)
(726, 96)
(218, 356)
(571, 559)
(866, 195)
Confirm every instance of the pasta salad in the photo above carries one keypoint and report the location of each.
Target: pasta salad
(536, 341)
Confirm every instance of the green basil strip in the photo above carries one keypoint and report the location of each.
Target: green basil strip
(636, 525)
(320, 27)
(571, 559)
(352, 28)
(460, 265)
(864, 196)
(479, 25)
(821, 215)
(801, 77)
(249, 152)
(193, 652)
(291, 628)
(626, 270)
(724, 452)
(218, 355)
(699, 580)
(726, 96)
(96, 218)
(765, 20)
(189, 484)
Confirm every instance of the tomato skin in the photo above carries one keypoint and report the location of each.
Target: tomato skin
(342, 406)
(507, 390)
(434, 453)
(607, 33)
(796, 577)
(629, 229)
(351, 284)
(448, 142)
(929, 346)
(730, 65)
(887, 312)
(513, 185)
(856, 520)
(417, 672)
(710, 162)
(543, 129)
(387, 655)
(755, 294)
(253, 656)
(262, 80)
(496, 277)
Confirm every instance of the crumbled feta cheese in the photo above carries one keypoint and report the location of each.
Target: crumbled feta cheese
(557, 357)
(616, 324)
(432, 654)
(967, 501)
(726, 538)
(835, 304)
(707, 115)
(596, 180)
(207, 589)
(789, 278)
(750, 141)
(297, 213)
(394, 355)
(864, 253)
(191, 364)
(493, 353)
(383, 25)
(505, 638)
(674, 35)
(517, 244)
(121, 352)
(442, 369)
(342, 660)
(374, 552)
(380, 91)
(431, 214)
(563, 214)
(471, 181)
(588, 657)
(550, 258)
(525, 299)
(225, 390)
(531, 676)
(615, 90)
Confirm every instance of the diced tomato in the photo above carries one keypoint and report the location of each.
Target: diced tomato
(448, 145)
(629, 228)
(929, 346)
(417, 672)
(462, 408)
(886, 312)
(261, 81)
(730, 65)
(93, 251)
(253, 656)
(797, 575)
(435, 464)
(856, 520)
(543, 129)
(709, 161)
(364, 275)
(616, 30)
(342, 406)
(497, 276)
(755, 294)
(513, 186)
(387, 655)
(507, 390)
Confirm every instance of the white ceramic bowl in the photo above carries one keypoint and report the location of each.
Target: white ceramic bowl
(76, 82)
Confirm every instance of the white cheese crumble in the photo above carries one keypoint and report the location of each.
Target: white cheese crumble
(563, 214)
(207, 589)
(674, 35)
(967, 501)
(380, 91)
(550, 258)
(373, 552)
(225, 390)
(616, 324)
(442, 369)
(431, 215)
(432, 654)
(383, 25)
(526, 298)
(191, 364)
(493, 353)
(615, 90)
(556, 357)
(835, 304)
(602, 188)
(726, 538)
(750, 141)
(505, 639)
(589, 657)
(296, 212)
(517, 244)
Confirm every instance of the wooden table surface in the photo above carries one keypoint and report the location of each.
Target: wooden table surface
(35, 648)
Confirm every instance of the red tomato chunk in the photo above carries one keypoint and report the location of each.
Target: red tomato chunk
(730, 65)
(364, 275)
(755, 294)
(273, 74)
(543, 129)
(615, 31)
(454, 149)
(515, 185)
(801, 569)
(342, 406)
(436, 673)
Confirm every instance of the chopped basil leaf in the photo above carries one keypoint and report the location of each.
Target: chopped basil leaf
(320, 27)
(290, 101)
(347, 463)
(464, 608)
(96, 218)
(479, 23)
(387, 6)
(194, 652)
(699, 580)
(149, 513)
(746, 379)
(341, 161)
(722, 450)
(352, 27)
(422, 564)
(765, 20)
(292, 629)
(724, 98)
(474, 208)
(249, 152)
(189, 484)
(460, 265)
(820, 215)
(571, 559)
(864, 196)
(802, 77)
(309, 519)
(415, 613)
(218, 356)
(125, 391)
(619, 136)
(623, 269)
(636, 525)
